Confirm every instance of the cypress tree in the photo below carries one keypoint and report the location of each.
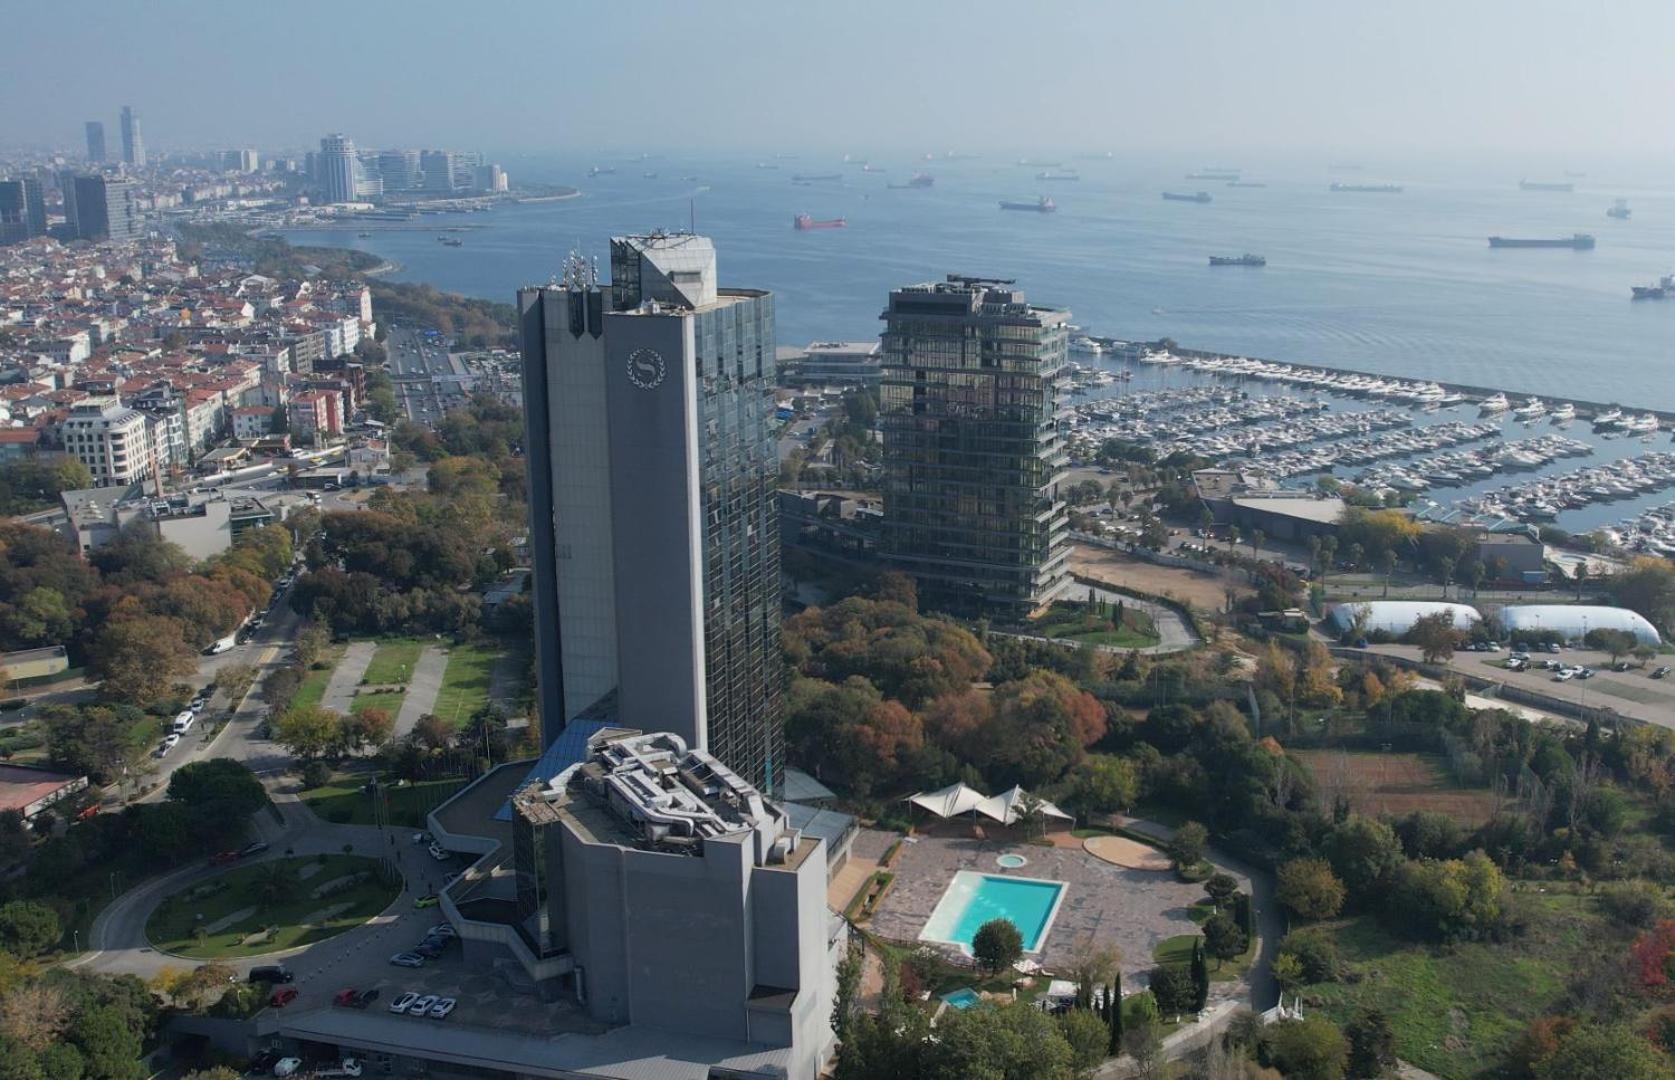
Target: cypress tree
(1116, 1014)
(1200, 977)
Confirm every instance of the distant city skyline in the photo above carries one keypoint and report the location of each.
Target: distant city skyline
(1418, 78)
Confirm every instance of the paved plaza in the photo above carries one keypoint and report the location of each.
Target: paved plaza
(1104, 906)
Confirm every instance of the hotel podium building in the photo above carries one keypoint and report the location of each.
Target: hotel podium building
(654, 526)
(972, 416)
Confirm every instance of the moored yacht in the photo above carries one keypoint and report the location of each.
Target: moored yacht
(1496, 403)
(1530, 409)
(1564, 412)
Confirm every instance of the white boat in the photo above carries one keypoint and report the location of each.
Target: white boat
(1610, 418)
(1494, 404)
(1531, 409)
(1644, 424)
(1564, 412)
(1087, 345)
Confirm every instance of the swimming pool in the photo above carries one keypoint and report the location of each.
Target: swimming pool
(972, 899)
(963, 998)
(1010, 861)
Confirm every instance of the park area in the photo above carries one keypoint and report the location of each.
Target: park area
(346, 799)
(1098, 622)
(270, 906)
(1394, 784)
(1207, 592)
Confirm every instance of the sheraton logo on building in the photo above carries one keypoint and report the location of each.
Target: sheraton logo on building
(646, 368)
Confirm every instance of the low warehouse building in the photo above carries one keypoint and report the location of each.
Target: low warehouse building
(1574, 621)
(1396, 617)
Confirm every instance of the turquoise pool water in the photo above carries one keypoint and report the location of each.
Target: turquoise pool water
(962, 999)
(973, 899)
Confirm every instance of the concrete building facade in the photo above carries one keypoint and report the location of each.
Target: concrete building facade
(104, 209)
(112, 440)
(972, 393)
(339, 169)
(652, 471)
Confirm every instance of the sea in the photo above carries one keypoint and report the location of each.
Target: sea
(1394, 284)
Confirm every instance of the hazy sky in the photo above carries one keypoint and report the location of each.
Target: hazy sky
(1322, 76)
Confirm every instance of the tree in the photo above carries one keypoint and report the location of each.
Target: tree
(1223, 939)
(1113, 1007)
(1436, 636)
(1389, 561)
(1101, 783)
(307, 730)
(1308, 1049)
(274, 883)
(28, 929)
(1448, 899)
(997, 945)
(1445, 571)
(1309, 888)
(280, 422)
(1364, 853)
(1647, 586)
(1038, 728)
(1221, 888)
(1186, 848)
(34, 1016)
(369, 727)
(1015, 1040)
(1172, 986)
(1288, 972)
(138, 657)
(432, 731)
(1372, 1044)
(1088, 1038)
(1617, 643)
(221, 784)
(1602, 1052)
(311, 642)
(1200, 974)
(113, 1050)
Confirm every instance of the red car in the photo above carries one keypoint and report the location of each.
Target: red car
(347, 996)
(222, 858)
(283, 997)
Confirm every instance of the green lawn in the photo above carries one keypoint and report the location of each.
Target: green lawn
(1073, 621)
(388, 700)
(342, 801)
(465, 683)
(313, 686)
(392, 664)
(173, 926)
(1456, 1011)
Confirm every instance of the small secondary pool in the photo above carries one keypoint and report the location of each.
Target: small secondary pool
(972, 899)
(963, 998)
(1010, 862)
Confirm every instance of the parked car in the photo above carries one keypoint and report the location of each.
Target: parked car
(264, 1062)
(1552, 646)
(1661, 672)
(427, 900)
(1585, 673)
(271, 973)
(366, 997)
(1563, 675)
(222, 858)
(443, 929)
(348, 996)
(429, 948)
(423, 838)
(408, 960)
(1620, 665)
(283, 997)
(287, 1066)
(347, 1067)
(442, 1008)
(171, 741)
(400, 1004)
(423, 1005)
(253, 848)
(438, 852)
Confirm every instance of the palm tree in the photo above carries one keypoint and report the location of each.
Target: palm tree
(1356, 552)
(1328, 549)
(1256, 538)
(1478, 573)
(1446, 566)
(1205, 520)
(1389, 568)
(1232, 536)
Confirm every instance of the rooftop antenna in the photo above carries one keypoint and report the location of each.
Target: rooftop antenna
(692, 215)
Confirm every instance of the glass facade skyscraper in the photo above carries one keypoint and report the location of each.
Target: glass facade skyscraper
(133, 142)
(95, 142)
(652, 471)
(974, 425)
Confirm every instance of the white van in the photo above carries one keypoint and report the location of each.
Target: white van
(183, 722)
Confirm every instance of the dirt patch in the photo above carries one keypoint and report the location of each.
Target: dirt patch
(1121, 851)
(1123, 571)
(1394, 784)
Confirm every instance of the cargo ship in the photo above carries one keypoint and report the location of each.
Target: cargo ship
(1246, 259)
(1619, 210)
(808, 178)
(1369, 189)
(917, 180)
(1043, 205)
(1214, 174)
(1050, 175)
(1663, 290)
(450, 241)
(601, 170)
(1545, 185)
(809, 221)
(1181, 196)
(1576, 242)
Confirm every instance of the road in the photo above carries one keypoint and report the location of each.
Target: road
(421, 367)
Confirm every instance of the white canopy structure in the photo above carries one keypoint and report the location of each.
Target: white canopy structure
(951, 801)
(1576, 620)
(1008, 806)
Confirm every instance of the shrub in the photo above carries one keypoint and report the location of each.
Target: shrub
(1310, 888)
(316, 774)
(997, 945)
(1634, 903)
(1316, 953)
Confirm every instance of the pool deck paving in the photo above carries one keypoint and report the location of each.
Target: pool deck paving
(1104, 906)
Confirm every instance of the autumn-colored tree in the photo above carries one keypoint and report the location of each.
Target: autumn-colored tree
(957, 720)
(432, 731)
(138, 657)
(307, 730)
(1040, 725)
(1651, 955)
(1436, 636)
(888, 731)
(1310, 888)
(35, 1015)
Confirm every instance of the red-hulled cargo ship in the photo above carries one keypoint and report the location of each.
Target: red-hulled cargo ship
(808, 221)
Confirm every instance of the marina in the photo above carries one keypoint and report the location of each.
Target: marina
(1448, 451)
